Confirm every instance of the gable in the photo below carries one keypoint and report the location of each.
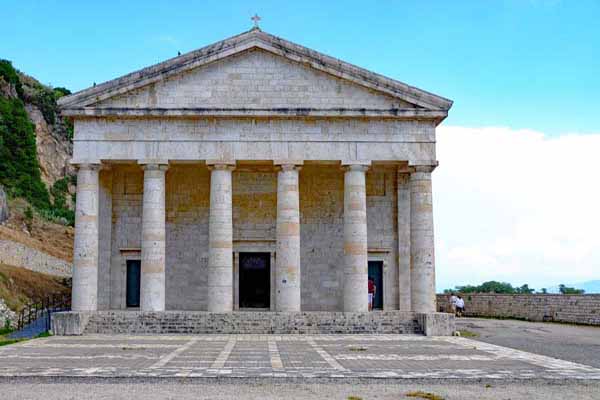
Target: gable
(255, 78)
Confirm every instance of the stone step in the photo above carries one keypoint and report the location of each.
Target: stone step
(197, 322)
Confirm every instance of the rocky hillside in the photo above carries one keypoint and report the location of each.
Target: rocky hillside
(37, 190)
(35, 145)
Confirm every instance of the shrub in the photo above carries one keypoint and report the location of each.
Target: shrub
(45, 100)
(19, 167)
(9, 73)
(28, 218)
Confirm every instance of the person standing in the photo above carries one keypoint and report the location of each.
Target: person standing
(453, 300)
(372, 289)
(460, 306)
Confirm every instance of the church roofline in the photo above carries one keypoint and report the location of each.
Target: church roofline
(254, 38)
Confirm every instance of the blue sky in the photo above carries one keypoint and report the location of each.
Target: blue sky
(515, 198)
(516, 63)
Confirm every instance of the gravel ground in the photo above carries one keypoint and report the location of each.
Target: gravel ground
(150, 391)
(575, 343)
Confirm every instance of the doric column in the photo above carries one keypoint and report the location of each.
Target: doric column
(152, 286)
(355, 240)
(421, 240)
(287, 270)
(404, 280)
(104, 236)
(220, 245)
(85, 249)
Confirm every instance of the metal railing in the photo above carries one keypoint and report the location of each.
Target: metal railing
(43, 308)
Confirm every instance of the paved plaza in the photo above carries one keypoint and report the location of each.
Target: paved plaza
(327, 357)
(577, 343)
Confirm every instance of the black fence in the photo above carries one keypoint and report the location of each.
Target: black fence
(43, 308)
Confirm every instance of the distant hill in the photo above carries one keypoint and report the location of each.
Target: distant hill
(589, 287)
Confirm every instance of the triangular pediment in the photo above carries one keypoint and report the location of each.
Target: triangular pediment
(256, 79)
(254, 71)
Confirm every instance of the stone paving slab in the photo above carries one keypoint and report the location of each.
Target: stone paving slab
(281, 356)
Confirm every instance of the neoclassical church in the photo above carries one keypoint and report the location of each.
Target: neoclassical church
(254, 175)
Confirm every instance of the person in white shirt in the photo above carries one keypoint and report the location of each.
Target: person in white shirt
(460, 306)
(453, 299)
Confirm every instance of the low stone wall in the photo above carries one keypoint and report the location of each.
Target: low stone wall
(19, 255)
(199, 322)
(578, 309)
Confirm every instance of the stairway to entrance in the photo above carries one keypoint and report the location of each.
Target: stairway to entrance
(248, 322)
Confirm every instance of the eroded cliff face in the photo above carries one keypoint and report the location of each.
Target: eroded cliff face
(54, 148)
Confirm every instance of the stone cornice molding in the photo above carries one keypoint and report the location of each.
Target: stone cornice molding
(248, 40)
(395, 113)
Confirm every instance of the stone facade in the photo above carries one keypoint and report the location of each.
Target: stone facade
(255, 145)
(576, 309)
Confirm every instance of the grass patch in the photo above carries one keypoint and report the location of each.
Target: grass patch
(6, 342)
(354, 398)
(468, 334)
(43, 335)
(357, 348)
(19, 286)
(5, 331)
(424, 395)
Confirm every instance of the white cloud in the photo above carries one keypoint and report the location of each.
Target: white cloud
(516, 206)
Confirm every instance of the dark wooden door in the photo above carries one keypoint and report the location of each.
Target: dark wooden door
(133, 283)
(255, 280)
(376, 272)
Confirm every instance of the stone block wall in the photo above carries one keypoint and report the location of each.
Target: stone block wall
(255, 78)
(579, 309)
(19, 255)
(254, 220)
(198, 322)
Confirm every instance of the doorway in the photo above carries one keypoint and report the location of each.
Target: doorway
(255, 280)
(133, 283)
(376, 273)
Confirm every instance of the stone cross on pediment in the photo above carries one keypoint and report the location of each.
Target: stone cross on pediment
(255, 19)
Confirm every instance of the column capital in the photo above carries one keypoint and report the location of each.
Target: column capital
(95, 165)
(423, 168)
(221, 165)
(356, 167)
(288, 167)
(154, 164)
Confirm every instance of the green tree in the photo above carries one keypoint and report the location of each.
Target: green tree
(525, 289)
(9, 74)
(496, 287)
(569, 290)
(492, 287)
